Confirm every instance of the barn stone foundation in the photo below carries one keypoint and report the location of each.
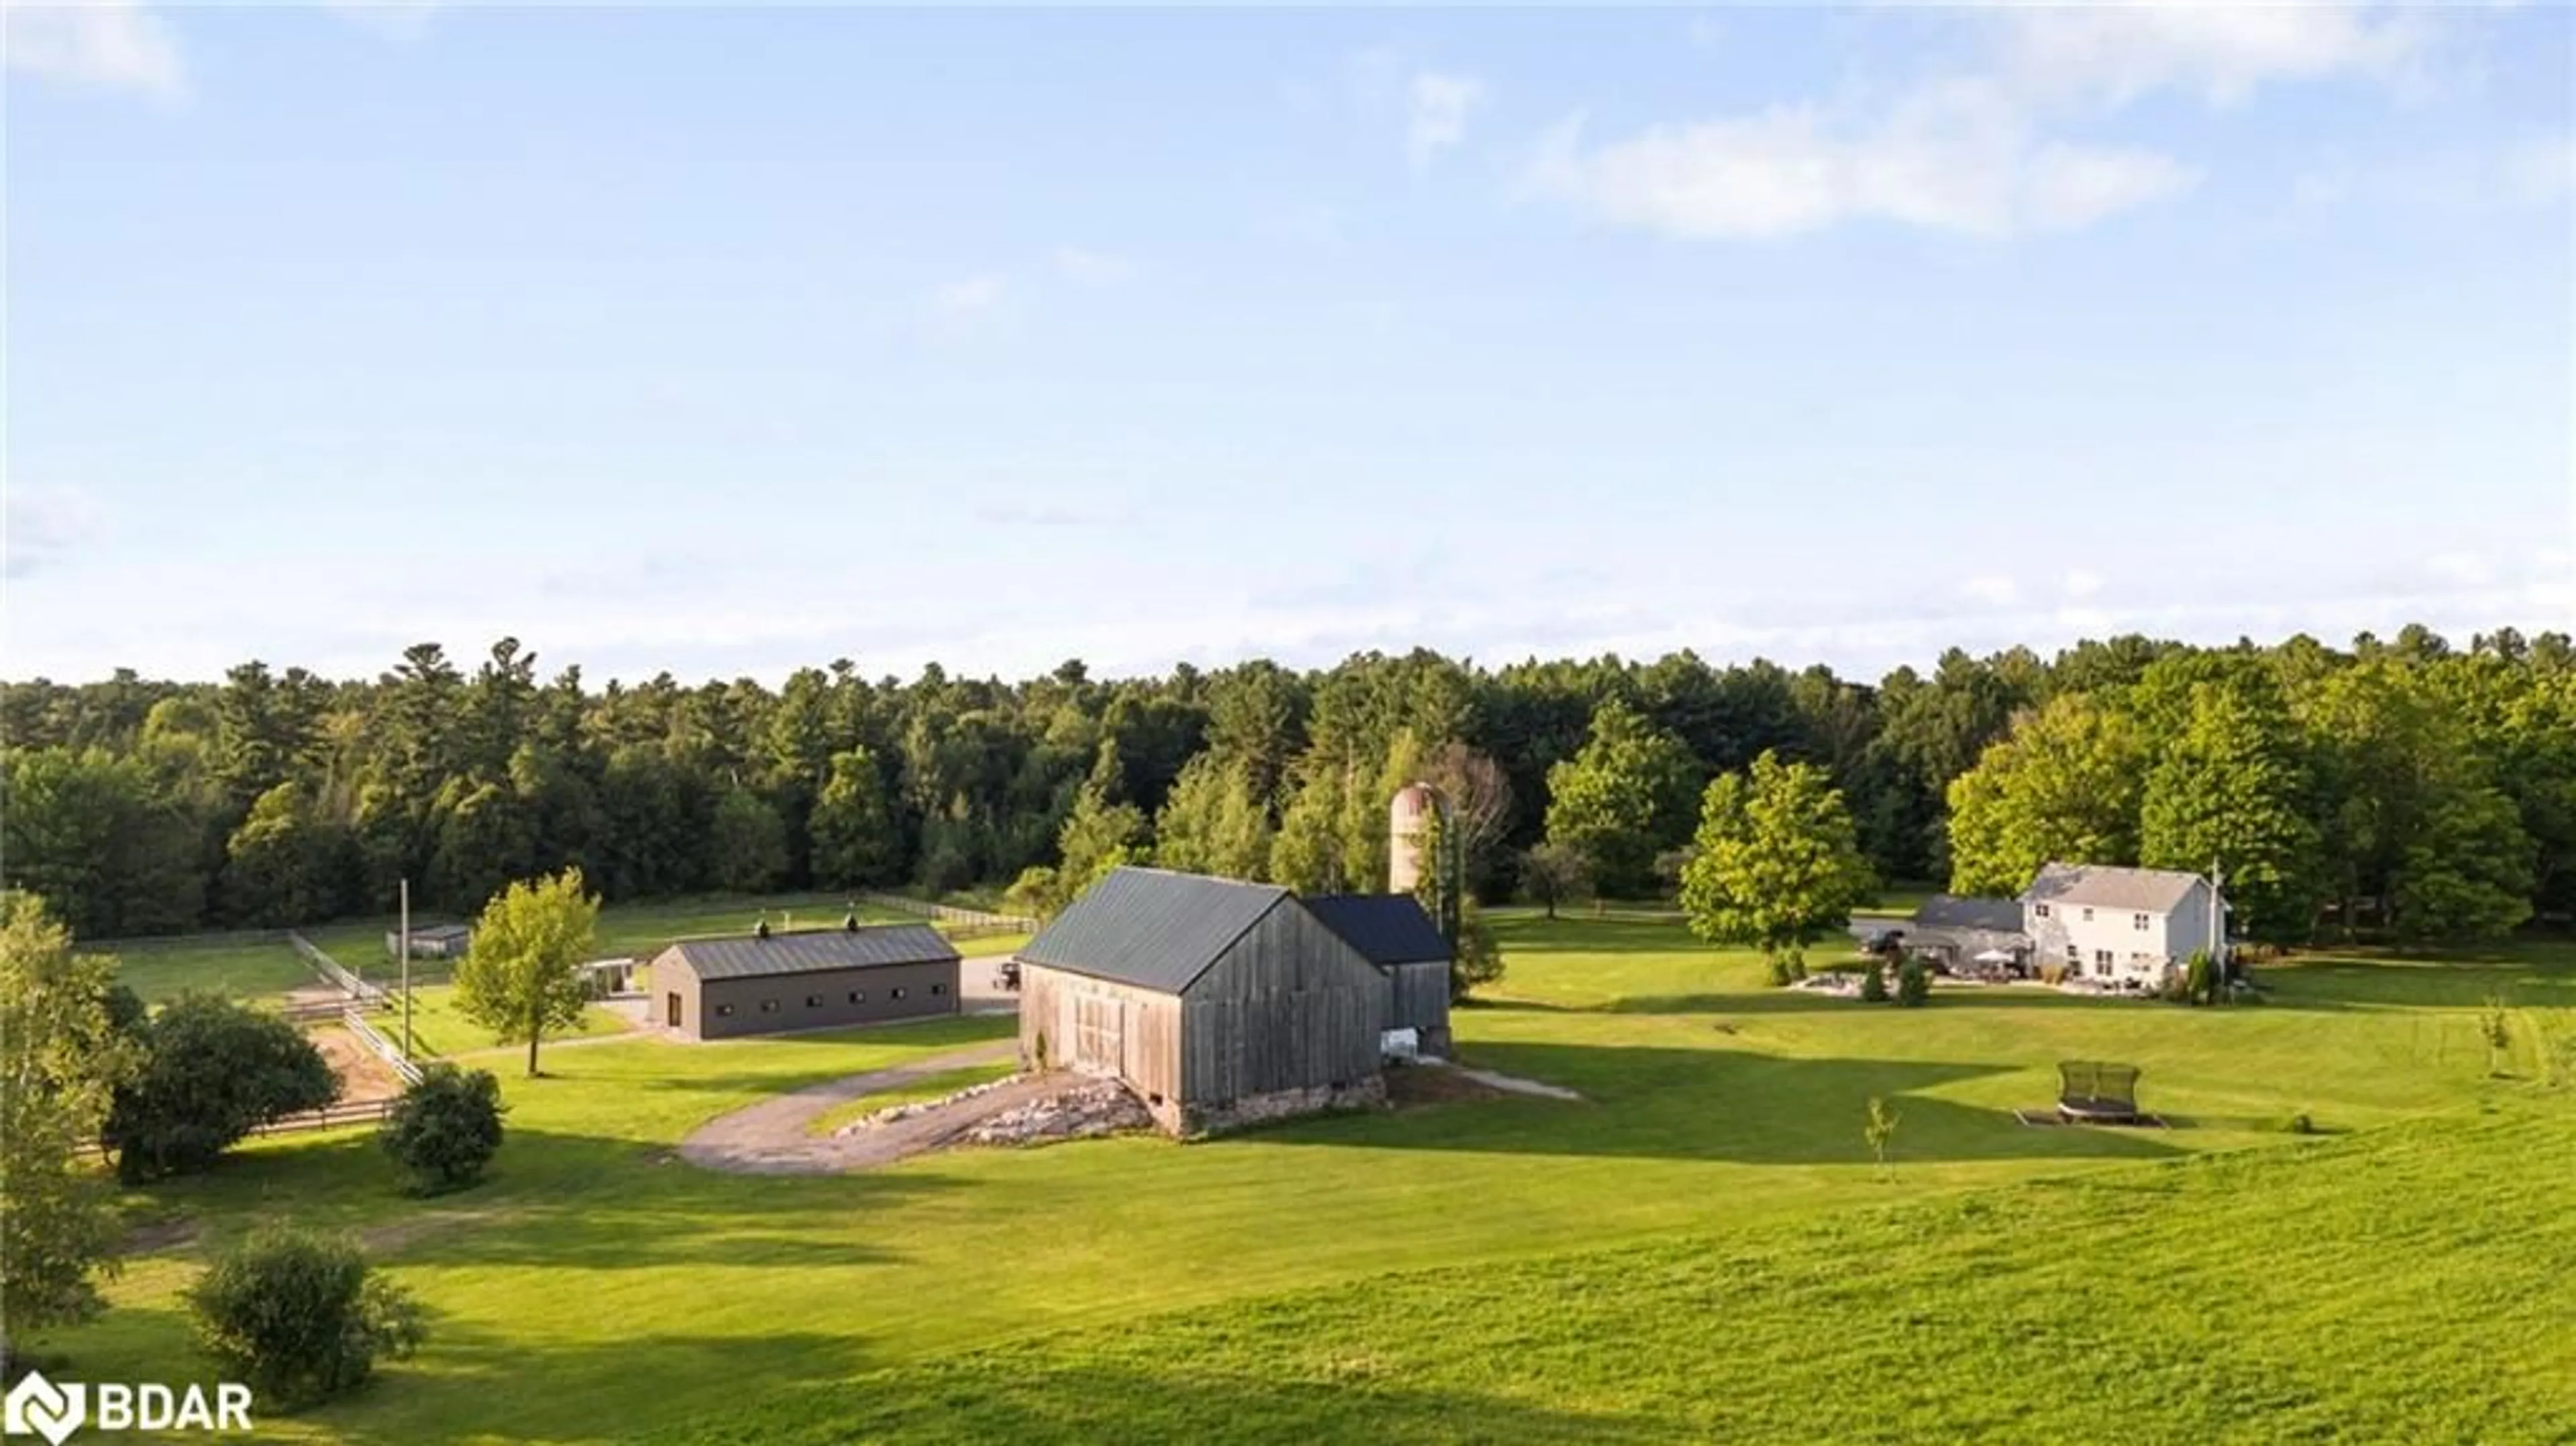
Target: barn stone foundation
(1193, 1121)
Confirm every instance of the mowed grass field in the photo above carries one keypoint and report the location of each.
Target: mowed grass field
(1700, 1249)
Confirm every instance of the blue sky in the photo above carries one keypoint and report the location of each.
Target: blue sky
(728, 341)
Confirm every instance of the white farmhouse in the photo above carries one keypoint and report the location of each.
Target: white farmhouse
(2122, 925)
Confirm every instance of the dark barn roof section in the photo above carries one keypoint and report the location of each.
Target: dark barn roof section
(1386, 928)
(814, 952)
(1151, 928)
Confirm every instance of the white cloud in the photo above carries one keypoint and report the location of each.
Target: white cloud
(2080, 583)
(1955, 156)
(110, 44)
(1441, 106)
(1991, 588)
(2465, 569)
(971, 296)
(2113, 54)
(1083, 264)
(40, 526)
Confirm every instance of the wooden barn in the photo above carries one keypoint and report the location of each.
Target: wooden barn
(1219, 1003)
(766, 983)
(1392, 932)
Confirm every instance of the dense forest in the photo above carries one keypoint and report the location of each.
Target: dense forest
(2404, 787)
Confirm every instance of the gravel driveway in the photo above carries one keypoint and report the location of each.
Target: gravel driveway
(770, 1138)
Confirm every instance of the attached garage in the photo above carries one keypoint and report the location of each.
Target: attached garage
(1219, 1003)
(768, 983)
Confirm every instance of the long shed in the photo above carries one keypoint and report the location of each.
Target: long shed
(767, 983)
(1393, 933)
(1219, 1003)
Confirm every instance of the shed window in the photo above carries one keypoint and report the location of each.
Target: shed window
(858, 996)
(2040, 909)
(898, 991)
(938, 989)
(813, 1001)
(769, 1006)
(724, 1011)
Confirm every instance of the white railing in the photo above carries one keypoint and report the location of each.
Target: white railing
(358, 990)
(374, 1039)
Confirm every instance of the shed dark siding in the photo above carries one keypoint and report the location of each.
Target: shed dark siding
(928, 989)
(1418, 997)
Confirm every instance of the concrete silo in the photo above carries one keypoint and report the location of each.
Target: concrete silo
(1407, 821)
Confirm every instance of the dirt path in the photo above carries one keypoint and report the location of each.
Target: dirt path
(770, 1138)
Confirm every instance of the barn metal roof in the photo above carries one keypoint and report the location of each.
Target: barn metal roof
(1151, 928)
(1386, 928)
(814, 951)
(2150, 891)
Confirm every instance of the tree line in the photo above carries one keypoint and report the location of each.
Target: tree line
(2403, 785)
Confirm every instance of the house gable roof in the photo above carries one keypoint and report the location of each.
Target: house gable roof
(1151, 928)
(1958, 911)
(2147, 891)
(815, 951)
(1387, 929)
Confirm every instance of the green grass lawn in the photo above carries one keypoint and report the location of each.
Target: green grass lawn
(438, 1030)
(928, 1087)
(1611, 1266)
(224, 966)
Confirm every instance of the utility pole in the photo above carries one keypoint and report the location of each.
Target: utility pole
(402, 936)
(2217, 918)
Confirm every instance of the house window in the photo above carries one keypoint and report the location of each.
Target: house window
(2040, 909)
(2088, 916)
(2138, 922)
(813, 1001)
(2074, 955)
(724, 1011)
(858, 996)
(769, 1006)
(2101, 961)
(898, 991)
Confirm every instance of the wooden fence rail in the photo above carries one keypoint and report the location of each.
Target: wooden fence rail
(374, 1039)
(963, 923)
(330, 1117)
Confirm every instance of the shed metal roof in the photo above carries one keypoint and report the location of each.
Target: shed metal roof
(2151, 891)
(1151, 928)
(1387, 929)
(813, 952)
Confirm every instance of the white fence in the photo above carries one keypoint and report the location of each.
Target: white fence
(962, 923)
(374, 1039)
(358, 990)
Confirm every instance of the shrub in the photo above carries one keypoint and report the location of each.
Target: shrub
(2300, 1124)
(1873, 983)
(301, 1318)
(213, 1071)
(2200, 979)
(1786, 969)
(1478, 959)
(445, 1129)
(1913, 984)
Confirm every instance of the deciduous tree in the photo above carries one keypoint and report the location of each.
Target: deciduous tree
(521, 977)
(1776, 863)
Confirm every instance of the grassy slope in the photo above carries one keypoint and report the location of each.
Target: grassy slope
(2405, 1287)
(594, 1291)
(437, 1029)
(160, 971)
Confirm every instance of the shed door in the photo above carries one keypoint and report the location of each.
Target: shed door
(1099, 1034)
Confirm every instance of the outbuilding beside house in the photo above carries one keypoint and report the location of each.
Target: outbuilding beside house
(767, 983)
(1393, 933)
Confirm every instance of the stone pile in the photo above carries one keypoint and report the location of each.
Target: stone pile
(893, 1114)
(1087, 1110)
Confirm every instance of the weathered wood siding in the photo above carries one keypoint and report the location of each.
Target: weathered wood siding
(1076, 1013)
(1289, 1006)
(1418, 997)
